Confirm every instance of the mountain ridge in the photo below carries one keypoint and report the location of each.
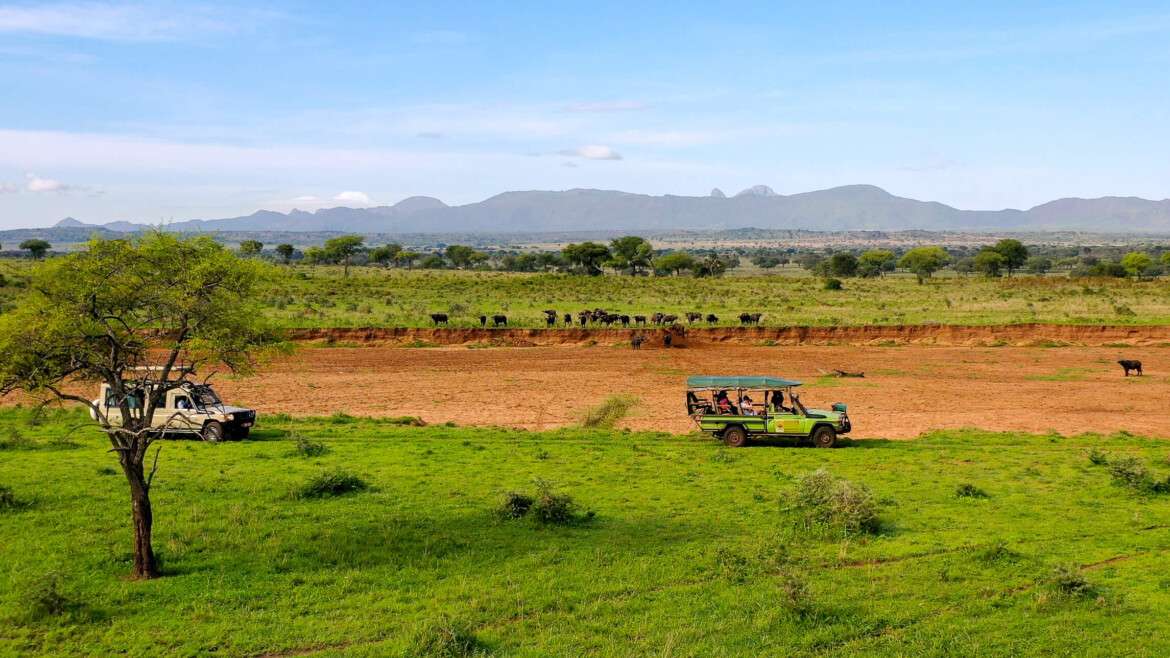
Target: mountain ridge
(848, 207)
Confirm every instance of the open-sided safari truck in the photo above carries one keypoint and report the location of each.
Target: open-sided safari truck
(188, 408)
(735, 409)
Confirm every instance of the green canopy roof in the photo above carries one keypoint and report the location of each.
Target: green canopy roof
(711, 382)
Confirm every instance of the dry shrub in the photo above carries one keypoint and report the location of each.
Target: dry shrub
(968, 490)
(1068, 579)
(308, 448)
(837, 503)
(331, 483)
(609, 412)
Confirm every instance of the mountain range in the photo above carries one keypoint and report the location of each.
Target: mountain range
(846, 208)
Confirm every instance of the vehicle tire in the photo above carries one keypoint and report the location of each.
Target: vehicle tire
(213, 431)
(735, 437)
(824, 437)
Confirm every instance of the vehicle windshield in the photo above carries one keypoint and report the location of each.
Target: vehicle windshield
(205, 396)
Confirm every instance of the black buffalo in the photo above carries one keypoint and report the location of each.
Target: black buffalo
(1130, 364)
(499, 320)
(636, 342)
(712, 318)
(568, 319)
(439, 318)
(639, 319)
(750, 318)
(483, 320)
(694, 317)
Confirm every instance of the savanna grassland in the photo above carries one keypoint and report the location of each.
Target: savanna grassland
(959, 543)
(304, 296)
(321, 296)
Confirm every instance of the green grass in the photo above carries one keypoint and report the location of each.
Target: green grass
(693, 549)
(320, 296)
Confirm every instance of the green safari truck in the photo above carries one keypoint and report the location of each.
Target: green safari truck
(735, 409)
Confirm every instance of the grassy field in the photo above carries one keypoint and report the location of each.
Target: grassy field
(692, 549)
(319, 296)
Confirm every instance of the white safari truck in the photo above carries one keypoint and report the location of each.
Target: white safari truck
(189, 409)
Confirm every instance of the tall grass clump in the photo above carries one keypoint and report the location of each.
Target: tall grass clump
(330, 484)
(9, 502)
(609, 412)
(1069, 580)
(306, 447)
(547, 507)
(826, 501)
(444, 638)
(1131, 473)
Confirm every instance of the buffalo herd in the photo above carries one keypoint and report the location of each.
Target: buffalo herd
(607, 318)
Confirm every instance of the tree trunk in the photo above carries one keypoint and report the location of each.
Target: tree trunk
(145, 565)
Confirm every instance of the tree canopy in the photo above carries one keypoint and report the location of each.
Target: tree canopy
(588, 256)
(286, 251)
(675, 262)
(342, 248)
(35, 247)
(1136, 263)
(875, 262)
(630, 253)
(1014, 253)
(924, 261)
(251, 247)
(102, 314)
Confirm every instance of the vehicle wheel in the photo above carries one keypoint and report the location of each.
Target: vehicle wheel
(735, 437)
(824, 437)
(213, 431)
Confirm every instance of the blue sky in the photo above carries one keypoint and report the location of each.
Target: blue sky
(153, 111)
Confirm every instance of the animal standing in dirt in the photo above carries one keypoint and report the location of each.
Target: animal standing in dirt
(439, 318)
(667, 339)
(1130, 364)
(636, 342)
(499, 320)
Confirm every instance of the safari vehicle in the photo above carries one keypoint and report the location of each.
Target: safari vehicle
(189, 409)
(727, 408)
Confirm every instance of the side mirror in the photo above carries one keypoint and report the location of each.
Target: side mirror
(839, 407)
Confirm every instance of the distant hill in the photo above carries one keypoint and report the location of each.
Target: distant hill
(847, 208)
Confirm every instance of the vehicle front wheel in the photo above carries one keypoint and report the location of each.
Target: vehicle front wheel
(735, 437)
(213, 431)
(824, 437)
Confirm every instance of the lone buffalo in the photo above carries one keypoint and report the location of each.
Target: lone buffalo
(439, 318)
(499, 320)
(1130, 364)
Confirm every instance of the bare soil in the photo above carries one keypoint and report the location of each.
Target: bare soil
(906, 390)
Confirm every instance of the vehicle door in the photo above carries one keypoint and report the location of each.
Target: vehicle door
(178, 411)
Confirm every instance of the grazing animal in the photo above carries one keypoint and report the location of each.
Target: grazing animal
(499, 320)
(712, 318)
(439, 318)
(550, 318)
(583, 316)
(694, 317)
(669, 319)
(1130, 364)
(483, 320)
(568, 319)
(657, 318)
(640, 319)
(636, 342)
(750, 318)
(625, 320)
(667, 338)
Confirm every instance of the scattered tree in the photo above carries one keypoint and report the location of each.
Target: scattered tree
(588, 256)
(924, 261)
(286, 252)
(1038, 264)
(676, 262)
(765, 261)
(711, 265)
(843, 264)
(385, 254)
(35, 247)
(875, 262)
(990, 261)
(1014, 253)
(103, 314)
(251, 247)
(1136, 263)
(406, 259)
(629, 253)
(342, 249)
(463, 257)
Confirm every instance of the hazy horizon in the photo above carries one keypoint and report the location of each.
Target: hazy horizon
(148, 112)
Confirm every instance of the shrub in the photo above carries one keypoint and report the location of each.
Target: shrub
(1097, 457)
(409, 421)
(16, 441)
(552, 508)
(341, 418)
(968, 490)
(997, 552)
(1068, 579)
(331, 483)
(834, 284)
(837, 503)
(609, 412)
(1132, 473)
(307, 448)
(43, 598)
(9, 501)
(444, 638)
(514, 505)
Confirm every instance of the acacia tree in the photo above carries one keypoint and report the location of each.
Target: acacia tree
(589, 256)
(342, 249)
(36, 247)
(1014, 253)
(251, 247)
(286, 251)
(629, 253)
(924, 261)
(138, 316)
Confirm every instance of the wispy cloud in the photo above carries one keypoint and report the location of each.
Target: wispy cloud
(121, 21)
(592, 152)
(353, 197)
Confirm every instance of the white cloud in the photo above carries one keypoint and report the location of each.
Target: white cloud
(593, 152)
(354, 197)
(119, 21)
(606, 106)
(34, 183)
(308, 198)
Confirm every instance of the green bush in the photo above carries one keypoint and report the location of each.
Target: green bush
(444, 638)
(9, 501)
(331, 483)
(514, 505)
(968, 490)
(1097, 457)
(834, 284)
(828, 501)
(547, 507)
(308, 448)
(1068, 579)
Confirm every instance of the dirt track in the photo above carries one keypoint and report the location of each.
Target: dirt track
(906, 390)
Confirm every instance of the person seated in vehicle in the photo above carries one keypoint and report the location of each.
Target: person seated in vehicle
(777, 404)
(722, 404)
(697, 406)
(745, 406)
(182, 402)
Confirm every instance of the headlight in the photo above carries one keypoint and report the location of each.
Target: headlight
(231, 416)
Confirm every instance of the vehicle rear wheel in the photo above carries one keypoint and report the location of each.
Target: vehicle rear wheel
(213, 431)
(735, 437)
(824, 437)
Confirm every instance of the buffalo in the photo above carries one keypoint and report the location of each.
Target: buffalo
(750, 318)
(657, 318)
(1130, 364)
(583, 317)
(568, 319)
(625, 320)
(640, 319)
(439, 318)
(636, 342)
(694, 317)
(669, 319)
(483, 320)
(499, 320)
(712, 318)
